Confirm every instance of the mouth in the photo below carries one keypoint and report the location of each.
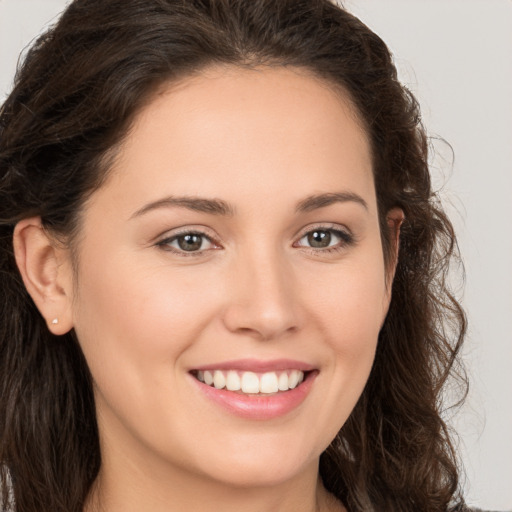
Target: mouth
(255, 390)
(252, 383)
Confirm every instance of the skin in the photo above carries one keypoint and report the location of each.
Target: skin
(146, 314)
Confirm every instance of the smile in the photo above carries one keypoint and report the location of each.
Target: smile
(248, 382)
(255, 390)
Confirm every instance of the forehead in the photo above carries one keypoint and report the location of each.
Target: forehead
(239, 132)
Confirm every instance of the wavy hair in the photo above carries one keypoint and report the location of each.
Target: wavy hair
(74, 97)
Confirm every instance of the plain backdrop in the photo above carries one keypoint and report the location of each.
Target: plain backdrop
(456, 56)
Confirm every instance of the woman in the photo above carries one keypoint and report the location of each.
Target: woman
(223, 267)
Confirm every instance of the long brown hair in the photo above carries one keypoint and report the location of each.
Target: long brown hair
(78, 89)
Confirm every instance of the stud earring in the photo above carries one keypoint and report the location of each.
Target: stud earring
(55, 321)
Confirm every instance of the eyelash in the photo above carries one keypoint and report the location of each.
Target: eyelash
(346, 239)
(165, 243)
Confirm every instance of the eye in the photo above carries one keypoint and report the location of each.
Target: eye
(325, 238)
(189, 242)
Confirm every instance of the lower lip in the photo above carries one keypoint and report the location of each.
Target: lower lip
(259, 407)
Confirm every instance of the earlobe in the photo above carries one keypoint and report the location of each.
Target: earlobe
(46, 278)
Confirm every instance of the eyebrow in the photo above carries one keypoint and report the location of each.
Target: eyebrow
(322, 200)
(220, 207)
(197, 204)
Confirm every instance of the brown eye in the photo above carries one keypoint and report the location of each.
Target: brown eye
(191, 242)
(319, 239)
(325, 239)
(187, 243)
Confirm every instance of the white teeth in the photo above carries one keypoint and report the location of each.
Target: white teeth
(219, 381)
(293, 379)
(251, 382)
(233, 381)
(269, 383)
(283, 382)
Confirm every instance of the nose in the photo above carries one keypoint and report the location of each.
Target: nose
(262, 298)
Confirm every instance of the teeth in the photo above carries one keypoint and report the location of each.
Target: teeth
(208, 378)
(269, 383)
(282, 383)
(293, 379)
(250, 382)
(233, 381)
(219, 381)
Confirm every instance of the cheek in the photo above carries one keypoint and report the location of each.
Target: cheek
(351, 303)
(350, 310)
(133, 321)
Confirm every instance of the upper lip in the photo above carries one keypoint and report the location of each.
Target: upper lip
(257, 365)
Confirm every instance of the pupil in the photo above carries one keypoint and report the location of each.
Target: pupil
(319, 239)
(190, 242)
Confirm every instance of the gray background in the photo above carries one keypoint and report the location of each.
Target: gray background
(456, 56)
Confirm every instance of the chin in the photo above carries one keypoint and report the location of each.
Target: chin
(257, 475)
(260, 468)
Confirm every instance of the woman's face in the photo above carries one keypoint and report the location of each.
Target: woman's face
(237, 238)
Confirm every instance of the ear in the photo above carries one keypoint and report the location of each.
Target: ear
(394, 218)
(46, 272)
